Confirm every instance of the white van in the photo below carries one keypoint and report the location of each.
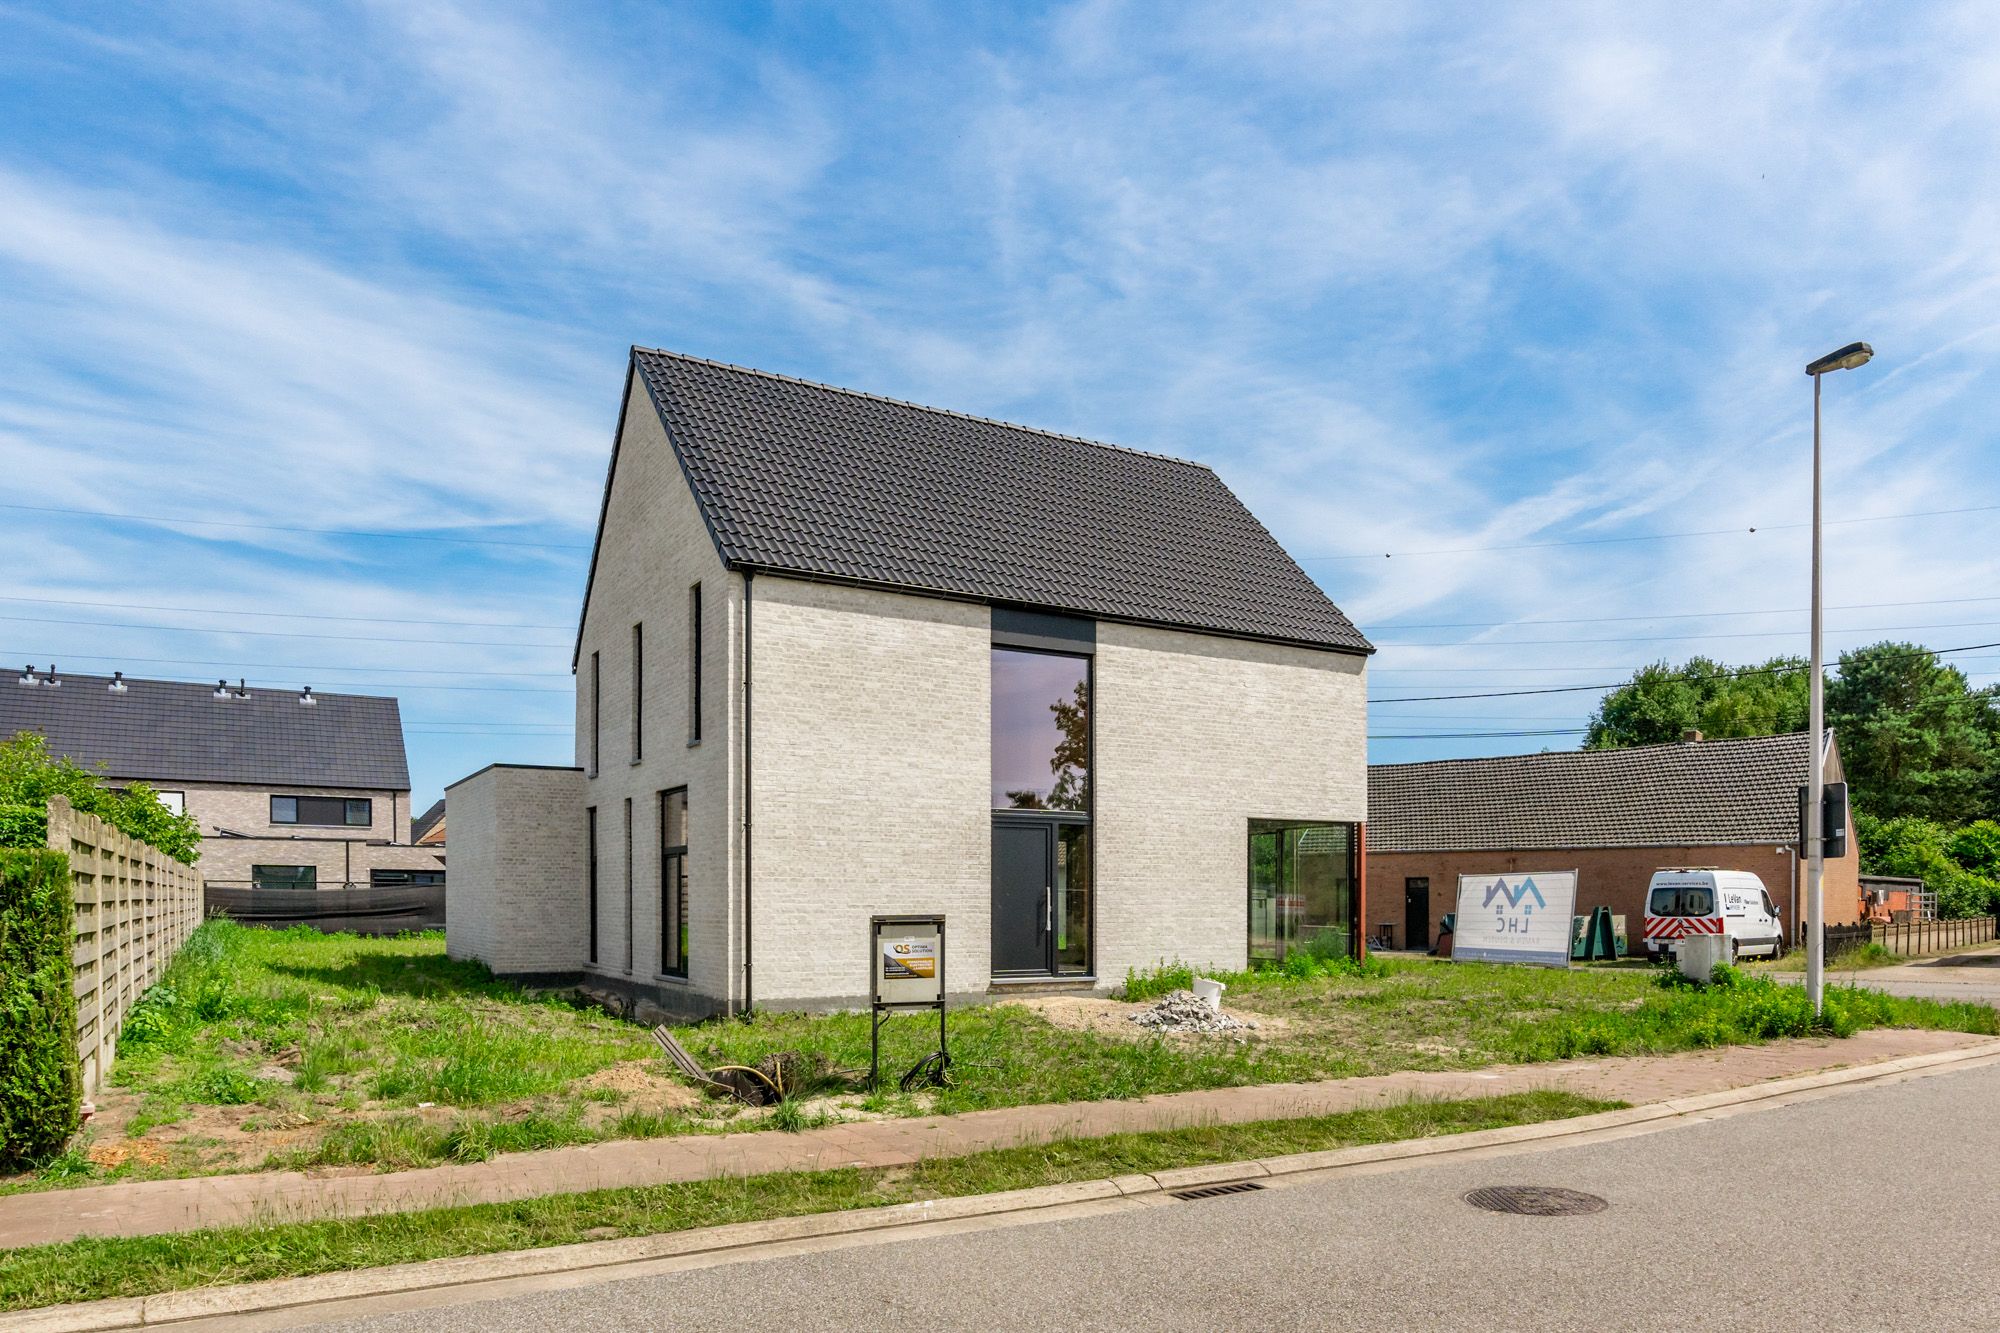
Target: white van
(1698, 900)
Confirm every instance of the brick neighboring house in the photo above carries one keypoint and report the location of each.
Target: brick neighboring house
(841, 655)
(1616, 816)
(286, 795)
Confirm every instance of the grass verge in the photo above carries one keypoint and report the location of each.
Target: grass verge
(94, 1269)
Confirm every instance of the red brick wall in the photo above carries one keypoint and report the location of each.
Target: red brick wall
(1610, 877)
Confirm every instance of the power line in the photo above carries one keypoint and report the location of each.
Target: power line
(282, 615)
(1646, 537)
(1683, 638)
(283, 634)
(1665, 615)
(285, 527)
(266, 683)
(313, 667)
(1577, 689)
(1471, 735)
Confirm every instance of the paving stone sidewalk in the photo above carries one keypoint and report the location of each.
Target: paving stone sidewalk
(153, 1207)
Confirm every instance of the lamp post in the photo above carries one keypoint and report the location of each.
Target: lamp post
(1847, 358)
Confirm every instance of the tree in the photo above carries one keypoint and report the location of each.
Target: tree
(29, 775)
(1662, 703)
(1915, 737)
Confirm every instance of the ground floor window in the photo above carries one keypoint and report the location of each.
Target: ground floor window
(673, 882)
(284, 877)
(397, 879)
(1302, 890)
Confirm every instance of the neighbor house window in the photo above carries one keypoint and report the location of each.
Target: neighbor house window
(396, 879)
(323, 811)
(175, 801)
(596, 713)
(673, 882)
(1041, 731)
(1302, 890)
(638, 692)
(590, 881)
(284, 877)
(694, 665)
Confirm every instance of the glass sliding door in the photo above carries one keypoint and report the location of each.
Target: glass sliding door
(1302, 889)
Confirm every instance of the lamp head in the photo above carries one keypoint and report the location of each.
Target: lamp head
(1847, 358)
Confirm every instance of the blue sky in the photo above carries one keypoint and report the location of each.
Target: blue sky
(1413, 279)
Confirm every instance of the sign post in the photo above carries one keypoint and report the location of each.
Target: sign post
(906, 972)
(1522, 918)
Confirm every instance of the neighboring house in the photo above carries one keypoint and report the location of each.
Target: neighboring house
(287, 794)
(841, 655)
(427, 829)
(1615, 816)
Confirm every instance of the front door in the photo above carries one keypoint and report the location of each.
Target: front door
(1417, 913)
(1023, 854)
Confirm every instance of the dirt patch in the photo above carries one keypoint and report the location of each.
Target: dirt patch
(120, 1152)
(1113, 1018)
(640, 1080)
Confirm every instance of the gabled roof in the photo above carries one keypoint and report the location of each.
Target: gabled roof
(1683, 794)
(167, 731)
(429, 827)
(819, 482)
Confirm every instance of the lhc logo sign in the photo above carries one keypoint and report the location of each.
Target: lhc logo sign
(1518, 912)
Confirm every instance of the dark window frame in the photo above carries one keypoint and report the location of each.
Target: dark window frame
(628, 885)
(1089, 660)
(638, 691)
(596, 714)
(347, 805)
(673, 888)
(1280, 827)
(261, 872)
(590, 883)
(694, 664)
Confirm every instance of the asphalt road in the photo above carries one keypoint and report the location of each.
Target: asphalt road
(1871, 1209)
(1973, 975)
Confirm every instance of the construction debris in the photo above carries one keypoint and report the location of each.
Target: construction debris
(1184, 1011)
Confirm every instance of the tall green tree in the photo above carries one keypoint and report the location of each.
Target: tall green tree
(1661, 703)
(1915, 736)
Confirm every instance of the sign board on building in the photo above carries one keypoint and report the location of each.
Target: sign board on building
(1521, 918)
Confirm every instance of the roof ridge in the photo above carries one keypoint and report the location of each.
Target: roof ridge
(1706, 744)
(918, 407)
(208, 685)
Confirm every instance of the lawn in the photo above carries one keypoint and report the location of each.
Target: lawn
(273, 1049)
(95, 1269)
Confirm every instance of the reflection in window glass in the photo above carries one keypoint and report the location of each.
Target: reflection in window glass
(1302, 889)
(1041, 731)
(1072, 898)
(673, 882)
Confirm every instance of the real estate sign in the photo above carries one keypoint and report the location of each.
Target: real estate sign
(1522, 918)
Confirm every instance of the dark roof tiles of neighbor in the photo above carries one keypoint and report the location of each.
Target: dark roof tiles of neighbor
(816, 481)
(1681, 794)
(163, 731)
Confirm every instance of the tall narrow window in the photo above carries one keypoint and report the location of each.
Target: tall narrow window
(596, 713)
(673, 882)
(628, 883)
(638, 692)
(590, 881)
(694, 665)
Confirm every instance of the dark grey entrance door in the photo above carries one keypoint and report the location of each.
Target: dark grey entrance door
(1417, 913)
(1023, 854)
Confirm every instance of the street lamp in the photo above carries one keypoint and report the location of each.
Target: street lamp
(1847, 358)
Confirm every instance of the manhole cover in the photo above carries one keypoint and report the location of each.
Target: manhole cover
(1535, 1200)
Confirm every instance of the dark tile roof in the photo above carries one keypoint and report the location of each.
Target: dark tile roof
(821, 482)
(1683, 794)
(433, 818)
(165, 731)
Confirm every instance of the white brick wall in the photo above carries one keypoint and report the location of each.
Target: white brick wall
(871, 762)
(515, 896)
(1195, 737)
(654, 548)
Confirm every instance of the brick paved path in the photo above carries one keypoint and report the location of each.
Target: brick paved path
(151, 1207)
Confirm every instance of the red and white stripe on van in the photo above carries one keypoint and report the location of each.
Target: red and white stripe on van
(1680, 927)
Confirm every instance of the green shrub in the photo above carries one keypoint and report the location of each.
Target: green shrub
(30, 775)
(1958, 865)
(41, 1084)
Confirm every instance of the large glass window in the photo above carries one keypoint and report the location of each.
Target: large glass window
(694, 665)
(1302, 889)
(1041, 731)
(323, 811)
(673, 882)
(1072, 899)
(590, 883)
(284, 877)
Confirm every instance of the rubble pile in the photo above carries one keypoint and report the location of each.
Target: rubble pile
(1181, 1011)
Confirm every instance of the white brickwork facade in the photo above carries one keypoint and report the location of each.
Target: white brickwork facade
(515, 897)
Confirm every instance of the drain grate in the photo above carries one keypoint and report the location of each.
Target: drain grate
(1217, 1191)
(1535, 1200)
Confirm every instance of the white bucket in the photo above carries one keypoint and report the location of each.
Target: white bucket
(1209, 992)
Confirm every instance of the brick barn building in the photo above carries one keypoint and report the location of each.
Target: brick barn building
(1614, 816)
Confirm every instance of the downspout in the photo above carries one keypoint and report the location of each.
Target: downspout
(748, 576)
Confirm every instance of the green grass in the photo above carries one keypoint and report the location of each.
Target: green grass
(329, 1046)
(93, 1269)
(1853, 958)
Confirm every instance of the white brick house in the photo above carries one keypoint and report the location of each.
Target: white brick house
(841, 656)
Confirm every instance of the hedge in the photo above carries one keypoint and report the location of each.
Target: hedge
(41, 1082)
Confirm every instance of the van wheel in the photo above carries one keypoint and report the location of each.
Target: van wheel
(1732, 951)
(1777, 948)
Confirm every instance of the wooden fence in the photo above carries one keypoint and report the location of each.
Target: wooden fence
(1912, 938)
(135, 907)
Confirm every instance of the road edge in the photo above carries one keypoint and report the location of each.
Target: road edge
(553, 1262)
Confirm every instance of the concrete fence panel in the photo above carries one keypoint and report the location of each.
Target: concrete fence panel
(135, 907)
